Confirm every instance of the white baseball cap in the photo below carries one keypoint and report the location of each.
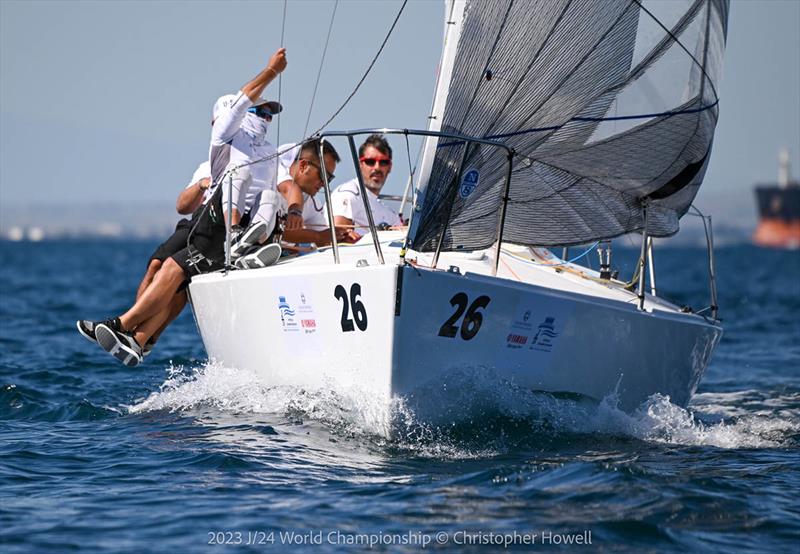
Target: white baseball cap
(222, 103)
(226, 101)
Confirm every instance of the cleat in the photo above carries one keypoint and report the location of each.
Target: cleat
(264, 257)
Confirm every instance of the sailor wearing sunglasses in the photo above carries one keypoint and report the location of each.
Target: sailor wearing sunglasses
(238, 139)
(300, 164)
(375, 163)
(239, 145)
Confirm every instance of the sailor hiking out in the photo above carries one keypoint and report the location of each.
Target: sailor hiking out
(238, 146)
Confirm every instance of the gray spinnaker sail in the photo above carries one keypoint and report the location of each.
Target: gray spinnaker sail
(609, 105)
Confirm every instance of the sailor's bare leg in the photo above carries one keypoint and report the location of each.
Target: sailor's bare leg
(152, 269)
(175, 307)
(156, 297)
(148, 327)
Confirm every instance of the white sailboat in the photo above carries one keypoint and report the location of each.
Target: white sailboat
(555, 123)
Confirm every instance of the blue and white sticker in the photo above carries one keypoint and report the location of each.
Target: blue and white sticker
(288, 321)
(469, 182)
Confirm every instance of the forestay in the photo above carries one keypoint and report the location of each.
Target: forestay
(610, 106)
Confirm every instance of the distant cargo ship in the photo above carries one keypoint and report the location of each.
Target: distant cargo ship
(779, 210)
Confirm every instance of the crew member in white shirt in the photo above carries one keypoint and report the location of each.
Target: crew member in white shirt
(375, 163)
(245, 137)
(240, 152)
(197, 192)
(300, 164)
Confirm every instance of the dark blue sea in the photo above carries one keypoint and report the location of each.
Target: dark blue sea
(184, 456)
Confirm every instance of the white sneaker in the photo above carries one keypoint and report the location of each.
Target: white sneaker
(247, 239)
(264, 257)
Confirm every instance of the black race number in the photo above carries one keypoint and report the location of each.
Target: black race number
(359, 311)
(471, 323)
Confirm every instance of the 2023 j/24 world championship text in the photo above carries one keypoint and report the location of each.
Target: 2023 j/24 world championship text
(316, 537)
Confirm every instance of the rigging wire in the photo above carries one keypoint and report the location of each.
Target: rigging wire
(280, 80)
(564, 262)
(364, 77)
(308, 139)
(321, 63)
(279, 152)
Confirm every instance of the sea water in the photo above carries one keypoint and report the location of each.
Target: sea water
(185, 455)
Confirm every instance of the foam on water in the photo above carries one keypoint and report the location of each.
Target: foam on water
(241, 391)
(485, 414)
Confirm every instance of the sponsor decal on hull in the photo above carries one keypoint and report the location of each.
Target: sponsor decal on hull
(288, 320)
(545, 335)
(306, 313)
(516, 341)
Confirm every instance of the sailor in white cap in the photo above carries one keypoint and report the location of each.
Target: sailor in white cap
(244, 162)
(238, 141)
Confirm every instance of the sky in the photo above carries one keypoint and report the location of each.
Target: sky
(107, 103)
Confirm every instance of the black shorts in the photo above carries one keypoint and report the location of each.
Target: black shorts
(193, 262)
(176, 242)
(206, 252)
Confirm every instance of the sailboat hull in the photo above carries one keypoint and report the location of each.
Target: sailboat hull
(401, 331)
(546, 340)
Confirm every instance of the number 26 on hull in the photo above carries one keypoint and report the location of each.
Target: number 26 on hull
(359, 310)
(472, 321)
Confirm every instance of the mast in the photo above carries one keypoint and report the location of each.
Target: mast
(453, 21)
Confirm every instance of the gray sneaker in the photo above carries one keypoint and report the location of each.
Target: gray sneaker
(119, 344)
(147, 348)
(247, 239)
(87, 327)
(263, 257)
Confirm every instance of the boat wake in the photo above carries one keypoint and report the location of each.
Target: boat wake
(483, 414)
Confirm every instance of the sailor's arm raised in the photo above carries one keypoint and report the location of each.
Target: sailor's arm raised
(229, 121)
(277, 63)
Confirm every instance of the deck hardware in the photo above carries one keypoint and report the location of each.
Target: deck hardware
(454, 269)
(326, 186)
(643, 259)
(362, 263)
(502, 220)
(604, 253)
(652, 267)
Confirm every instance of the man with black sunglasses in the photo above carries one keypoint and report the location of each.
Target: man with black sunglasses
(375, 163)
(300, 164)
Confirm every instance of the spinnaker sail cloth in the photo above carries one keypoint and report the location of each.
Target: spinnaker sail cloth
(610, 107)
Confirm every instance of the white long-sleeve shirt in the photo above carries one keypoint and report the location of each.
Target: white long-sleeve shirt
(232, 146)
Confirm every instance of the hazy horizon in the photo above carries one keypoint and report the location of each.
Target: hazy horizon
(107, 103)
